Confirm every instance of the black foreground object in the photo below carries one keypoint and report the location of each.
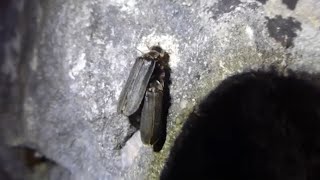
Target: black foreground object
(253, 126)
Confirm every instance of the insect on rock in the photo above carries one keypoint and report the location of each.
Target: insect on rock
(144, 92)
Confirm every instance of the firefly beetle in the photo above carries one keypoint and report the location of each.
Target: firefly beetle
(143, 93)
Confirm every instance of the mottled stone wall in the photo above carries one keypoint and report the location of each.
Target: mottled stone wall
(63, 64)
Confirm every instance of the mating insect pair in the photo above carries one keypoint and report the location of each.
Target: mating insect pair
(144, 91)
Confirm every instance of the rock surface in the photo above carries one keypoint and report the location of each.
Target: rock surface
(64, 62)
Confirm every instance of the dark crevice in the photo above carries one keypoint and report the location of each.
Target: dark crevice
(32, 157)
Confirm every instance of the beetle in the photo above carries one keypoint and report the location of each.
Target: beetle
(143, 93)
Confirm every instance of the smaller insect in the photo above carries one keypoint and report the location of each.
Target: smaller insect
(143, 92)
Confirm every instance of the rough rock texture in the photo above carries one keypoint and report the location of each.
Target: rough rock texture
(63, 64)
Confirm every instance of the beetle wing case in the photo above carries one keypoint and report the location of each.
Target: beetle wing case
(151, 113)
(135, 87)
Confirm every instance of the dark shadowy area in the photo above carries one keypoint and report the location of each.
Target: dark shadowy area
(263, 1)
(291, 4)
(134, 119)
(23, 163)
(12, 163)
(4, 4)
(198, 76)
(31, 157)
(8, 30)
(255, 125)
(223, 6)
(283, 30)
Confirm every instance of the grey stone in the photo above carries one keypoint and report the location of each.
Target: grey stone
(63, 70)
